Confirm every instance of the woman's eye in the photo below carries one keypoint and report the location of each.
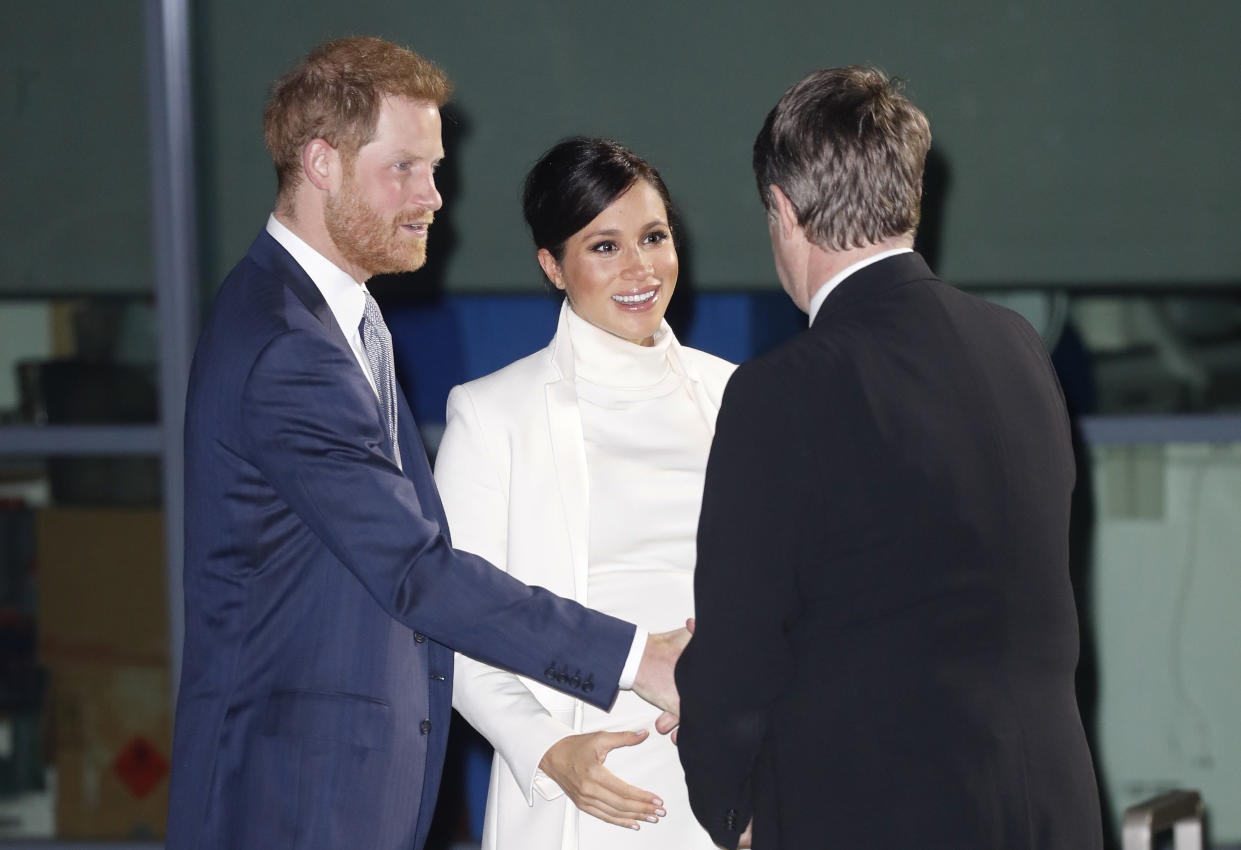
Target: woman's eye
(656, 237)
(604, 248)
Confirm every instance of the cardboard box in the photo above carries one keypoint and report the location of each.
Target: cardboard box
(102, 597)
(113, 731)
(103, 637)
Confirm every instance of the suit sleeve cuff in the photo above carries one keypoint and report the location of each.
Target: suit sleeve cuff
(630, 671)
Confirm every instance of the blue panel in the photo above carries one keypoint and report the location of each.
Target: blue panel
(441, 342)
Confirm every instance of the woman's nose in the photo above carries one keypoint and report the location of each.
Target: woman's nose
(638, 268)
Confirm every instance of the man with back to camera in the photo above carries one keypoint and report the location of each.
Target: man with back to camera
(323, 596)
(886, 511)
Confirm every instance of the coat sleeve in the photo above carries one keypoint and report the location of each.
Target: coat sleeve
(494, 701)
(729, 676)
(310, 424)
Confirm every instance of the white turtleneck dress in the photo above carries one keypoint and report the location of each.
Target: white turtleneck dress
(580, 469)
(646, 445)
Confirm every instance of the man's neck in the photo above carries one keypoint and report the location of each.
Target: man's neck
(841, 265)
(825, 264)
(309, 226)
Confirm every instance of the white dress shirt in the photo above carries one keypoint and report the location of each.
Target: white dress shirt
(820, 295)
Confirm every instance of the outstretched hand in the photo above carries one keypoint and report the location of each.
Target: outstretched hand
(576, 764)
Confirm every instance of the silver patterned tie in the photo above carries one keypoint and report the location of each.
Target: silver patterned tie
(378, 345)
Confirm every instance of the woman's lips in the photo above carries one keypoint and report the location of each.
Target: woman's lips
(636, 302)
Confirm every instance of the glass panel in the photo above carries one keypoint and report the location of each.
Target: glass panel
(1163, 353)
(1140, 352)
(78, 361)
(85, 729)
(84, 689)
(1164, 582)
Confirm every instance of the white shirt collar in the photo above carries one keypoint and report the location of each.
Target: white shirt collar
(816, 300)
(345, 297)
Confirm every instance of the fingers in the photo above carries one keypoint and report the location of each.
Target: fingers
(689, 625)
(609, 815)
(605, 742)
(576, 764)
(619, 803)
(608, 797)
(666, 722)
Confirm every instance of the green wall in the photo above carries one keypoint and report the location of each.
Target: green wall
(1084, 142)
(74, 174)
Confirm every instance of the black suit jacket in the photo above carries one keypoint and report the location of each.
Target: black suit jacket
(886, 636)
(323, 596)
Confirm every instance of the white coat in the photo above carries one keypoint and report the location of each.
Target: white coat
(511, 471)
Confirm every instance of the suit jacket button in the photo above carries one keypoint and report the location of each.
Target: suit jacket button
(730, 819)
(588, 685)
(576, 679)
(419, 637)
(550, 673)
(425, 727)
(438, 677)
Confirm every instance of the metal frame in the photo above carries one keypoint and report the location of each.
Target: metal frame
(62, 440)
(1179, 811)
(23, 844)
(170, 107)
(1135, 430)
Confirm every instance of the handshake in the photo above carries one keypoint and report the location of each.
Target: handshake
(576, 762)
(655, 681)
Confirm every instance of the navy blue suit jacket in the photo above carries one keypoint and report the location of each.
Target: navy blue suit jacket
(323, 596)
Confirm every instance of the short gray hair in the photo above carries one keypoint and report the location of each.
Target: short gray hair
(848, 150)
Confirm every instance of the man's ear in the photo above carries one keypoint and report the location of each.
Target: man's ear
(551, 268)
(785, 212)
(321, 164)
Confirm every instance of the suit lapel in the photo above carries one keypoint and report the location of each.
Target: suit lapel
(564, 423)
(269, 254)
(416, 466)
(693, 381)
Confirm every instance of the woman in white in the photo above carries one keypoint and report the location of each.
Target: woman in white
(580, 468)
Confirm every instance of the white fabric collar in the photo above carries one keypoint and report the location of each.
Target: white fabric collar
(345, 297)
(607, 360)
(816, 301)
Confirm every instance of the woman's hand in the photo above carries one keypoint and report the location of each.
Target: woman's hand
(575, 762)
